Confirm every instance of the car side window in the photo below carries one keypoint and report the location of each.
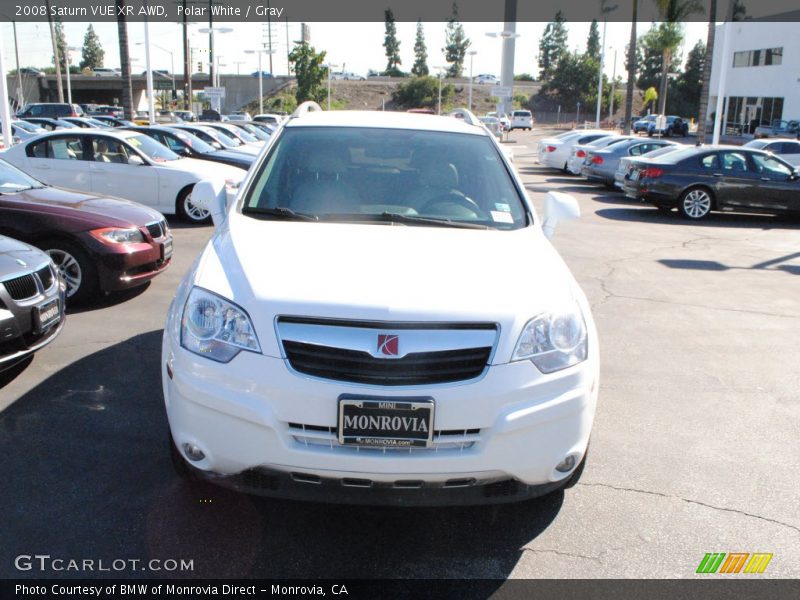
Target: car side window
(107, 150)
(771, 167)
(63, 148)
(171, 143)
(710, 162)
(790, 148)
(37, 150)
(734, 162)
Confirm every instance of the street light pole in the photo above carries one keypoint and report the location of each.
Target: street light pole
(261, 51)
(330, 66)
(151, 106)
(471, 53)
(69, 82)
(613, 89)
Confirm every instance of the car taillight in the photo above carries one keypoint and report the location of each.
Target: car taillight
(597, 160)
(580, 154)
(551, 148)
(652, 172)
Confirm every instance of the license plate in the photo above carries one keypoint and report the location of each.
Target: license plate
(634, 176)
(166, 250)
(386, 422)
(47, 314)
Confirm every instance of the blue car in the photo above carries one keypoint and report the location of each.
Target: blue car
(643, 124)
(674, 126)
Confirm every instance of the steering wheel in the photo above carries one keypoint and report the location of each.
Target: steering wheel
(452, 198)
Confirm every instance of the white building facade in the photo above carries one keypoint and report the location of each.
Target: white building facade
(763, 73)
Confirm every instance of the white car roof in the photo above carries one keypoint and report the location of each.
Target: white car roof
(382, 119)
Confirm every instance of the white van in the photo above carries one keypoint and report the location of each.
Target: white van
(106, 72)
(521, 119)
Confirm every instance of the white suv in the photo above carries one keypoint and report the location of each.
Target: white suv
(521, 119)
(380, 318)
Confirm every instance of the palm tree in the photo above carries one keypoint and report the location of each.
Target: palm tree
(631, 69)
(124, 61)
(703, 108)
(670, 36)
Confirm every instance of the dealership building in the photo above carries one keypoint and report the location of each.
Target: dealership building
(763, 72)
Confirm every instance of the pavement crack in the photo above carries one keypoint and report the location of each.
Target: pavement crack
(560, 553)
(690, 501)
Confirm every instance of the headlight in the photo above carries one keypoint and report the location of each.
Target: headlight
(554, 340)
(216, 328)
(113, 235)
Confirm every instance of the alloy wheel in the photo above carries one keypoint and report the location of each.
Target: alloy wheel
(696, 204)
(68, 267)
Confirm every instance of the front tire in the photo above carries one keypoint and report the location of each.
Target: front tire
(189, 211)
(76, 269)
(696, 203)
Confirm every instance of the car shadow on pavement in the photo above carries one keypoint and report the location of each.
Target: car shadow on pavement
(87, 450)
(648, 214)
(774, 264)
(107, 300)
(11, 373)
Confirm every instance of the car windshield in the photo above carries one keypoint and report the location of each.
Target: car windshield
(375, 175)
(151, 148)
(30, 127)
(241, 134)
(12, 180)
(226, 140)
(256, 132)
(194, 142)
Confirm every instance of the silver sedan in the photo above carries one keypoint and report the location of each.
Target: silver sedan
(600, 165)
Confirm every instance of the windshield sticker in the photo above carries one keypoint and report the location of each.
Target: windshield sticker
(501, 217)
(502, 206)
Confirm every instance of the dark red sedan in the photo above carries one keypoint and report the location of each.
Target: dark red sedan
(99, 244)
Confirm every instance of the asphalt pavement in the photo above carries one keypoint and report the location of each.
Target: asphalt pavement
(695, 446)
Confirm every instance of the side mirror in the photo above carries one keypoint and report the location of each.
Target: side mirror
(558, 206)
(211, 195)
(136, 160)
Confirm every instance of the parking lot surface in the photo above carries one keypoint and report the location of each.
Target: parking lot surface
(695, 446)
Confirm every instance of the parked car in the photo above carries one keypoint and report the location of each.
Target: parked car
(623, 168)
(106, 72)
(50, 124)
(600, 164)
(259, 131)
(486, 78)
(31, 71)
(210, 115)
(264, 74)
(493, 124)
(218, 139)
(347, 76)
(110, 111)
(779, 128)
(271, 118)
(52, 110)
(238, 133)
(113, 121)
(240, 115)
(521, 119)
(186, 144)
(98, 244)
(125, 164)
(473, 394)
(32, 300)
(87, 122)
(788, 150)
(673, 126)
(554, 152)
(699, 179)
(22, 130)
(502, 117)
(643, 125)
(185, 115)
(579, 152)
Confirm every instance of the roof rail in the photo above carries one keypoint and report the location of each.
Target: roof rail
(306, 107)
(465, 114)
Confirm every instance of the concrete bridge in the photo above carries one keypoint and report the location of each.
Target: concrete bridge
(87, 89)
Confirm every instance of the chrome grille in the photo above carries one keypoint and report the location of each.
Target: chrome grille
(157, 229)
(447, 440)
(22, 287)
(45, 275)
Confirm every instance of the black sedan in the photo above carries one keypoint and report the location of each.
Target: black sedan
(186, 144)
(699, 179)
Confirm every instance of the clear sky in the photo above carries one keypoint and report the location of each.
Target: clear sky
(357, 46)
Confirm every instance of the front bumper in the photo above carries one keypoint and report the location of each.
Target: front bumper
(124, 266)
(265, 429)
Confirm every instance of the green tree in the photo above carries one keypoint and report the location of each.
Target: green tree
(420, 67)
(421, 92)
(309, 72)
(92, 53)
(61, 43)
(672, 14)
(392, 45)
(456, 44)
(552, 45)
(685, 98)
(650, 97)
(650, 58)
(573, 80)
(593, 41)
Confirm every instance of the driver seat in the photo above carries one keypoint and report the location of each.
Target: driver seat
(437, 178)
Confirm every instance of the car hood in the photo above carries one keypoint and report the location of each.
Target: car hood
(383, 273)
(204, 169)
(235, 156)
(13, 251)
(96, 210)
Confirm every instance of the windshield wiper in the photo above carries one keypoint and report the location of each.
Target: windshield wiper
(280, 212)
(391, 217)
